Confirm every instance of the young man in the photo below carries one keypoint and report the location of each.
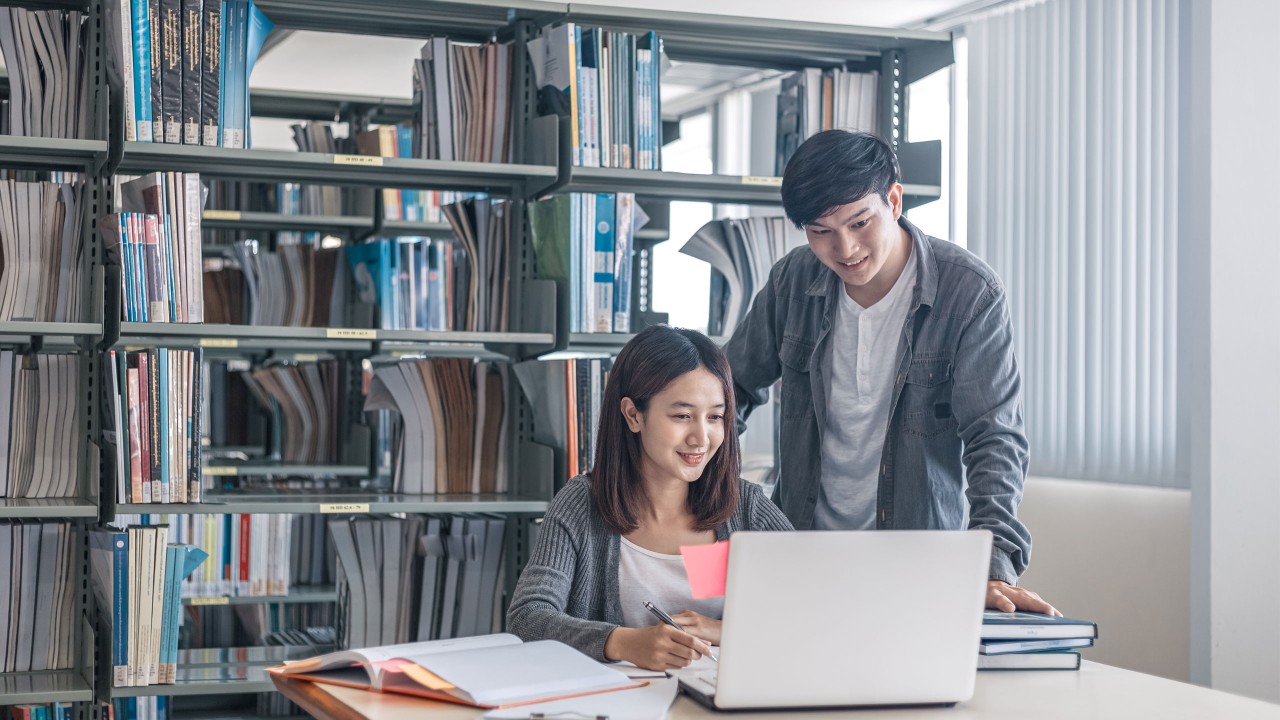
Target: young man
(900, 390)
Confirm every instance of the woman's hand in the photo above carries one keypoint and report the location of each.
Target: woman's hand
(657, 647)
(700, 626)
(1006, 598)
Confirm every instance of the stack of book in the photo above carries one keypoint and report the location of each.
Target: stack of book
(566, 396)
(307, 395)
(814, 100)
(156, 240)
(423, 578)
(585, 242)
(184, 66)
(462, 94)
(137, 577)
(45, 54)
(1031, 641)
(741, 254)
(37, 596)
(41, 251)
(608, 84)
(40, 418)
(299, 285)
(453, 429)
(53, 711)
(155, 424)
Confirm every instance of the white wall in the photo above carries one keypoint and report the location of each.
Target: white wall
(1117, 555)
(1233, 438)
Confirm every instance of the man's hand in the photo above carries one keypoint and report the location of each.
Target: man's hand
(1006, 598)
(700, 626)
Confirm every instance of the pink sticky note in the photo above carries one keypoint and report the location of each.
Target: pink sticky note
(707, 567)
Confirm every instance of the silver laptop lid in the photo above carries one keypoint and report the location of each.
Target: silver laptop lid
(816, 619)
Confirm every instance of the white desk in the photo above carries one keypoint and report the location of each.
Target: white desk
(1096, 691)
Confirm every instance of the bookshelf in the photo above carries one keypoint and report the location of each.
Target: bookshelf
(900, 56)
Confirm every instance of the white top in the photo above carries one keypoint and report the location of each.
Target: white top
(864, 351)
(660, 579)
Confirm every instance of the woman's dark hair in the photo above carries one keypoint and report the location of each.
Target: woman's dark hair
(834, 168)
(649, 363)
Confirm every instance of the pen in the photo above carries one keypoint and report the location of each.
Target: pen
(657, 611)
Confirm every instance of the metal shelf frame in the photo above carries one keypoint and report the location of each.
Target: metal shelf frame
(341, 503)
(237, 220)
(48, 509)
(297, 594)
(31, 688)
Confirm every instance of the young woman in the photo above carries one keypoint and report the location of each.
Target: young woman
(665, 475)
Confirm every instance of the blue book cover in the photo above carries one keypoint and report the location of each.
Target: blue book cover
(601, 271)
(233, 45)
(256, 32)
(1004, 647)
(1030, 626)
(141, 69)
(166, 627)
(162, 355)
(622, 249)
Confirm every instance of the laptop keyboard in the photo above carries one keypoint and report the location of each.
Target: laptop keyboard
(708, 677)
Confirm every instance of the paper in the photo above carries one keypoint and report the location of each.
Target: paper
(707, 567)
(650, 702)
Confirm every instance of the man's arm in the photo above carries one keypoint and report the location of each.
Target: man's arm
(753, 352)
(987, 403)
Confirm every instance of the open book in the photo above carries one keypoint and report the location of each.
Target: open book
(485, 671)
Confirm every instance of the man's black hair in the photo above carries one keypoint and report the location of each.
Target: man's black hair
(834, 168)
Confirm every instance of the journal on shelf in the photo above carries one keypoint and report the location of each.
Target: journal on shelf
(483, 671)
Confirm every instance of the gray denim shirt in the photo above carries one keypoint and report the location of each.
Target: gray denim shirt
(956, 407)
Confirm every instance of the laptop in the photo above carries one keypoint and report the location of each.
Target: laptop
(847, 619)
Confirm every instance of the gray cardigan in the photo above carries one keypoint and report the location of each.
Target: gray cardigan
(569, 589)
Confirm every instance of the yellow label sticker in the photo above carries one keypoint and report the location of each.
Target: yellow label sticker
(219, 342)
(351, 334)
(306, 357)
(218, 470)
(221, 600)
(134, 348)
(221, 214)
(372, 160)
(344, 508)
(766, 180)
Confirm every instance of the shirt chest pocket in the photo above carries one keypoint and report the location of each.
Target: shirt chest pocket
(926, 398)
(797, 396)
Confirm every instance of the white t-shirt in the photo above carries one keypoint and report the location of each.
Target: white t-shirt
(660, 579)
(864, 347)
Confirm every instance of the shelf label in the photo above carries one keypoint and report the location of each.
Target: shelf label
(219, 342)
(306, 357)
(351, 334)
(218, 470)
(221, 600)
(221, 214)
(344, 508)
(372, 160)
(135, 348)
(765, 180)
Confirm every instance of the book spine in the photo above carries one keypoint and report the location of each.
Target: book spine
(197, 432)
(156, 33)
(135, 434)
(192, 70)
(153, 401)
(171, 68)
(120, 609)
(212, 39)
(124, 20)
(162, 380)
(141, 41)
(602, 270)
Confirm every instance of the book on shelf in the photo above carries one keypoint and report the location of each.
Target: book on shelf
(47, 711)
(462, 101)
(741, 253)
(608, 84)
(40, 420)
(585, 242)
(45, 53)
(42, 258)
(1048, 660)
(155, 239)
(451, 437)
(154, 424)
(297, 285)
(486, 671)
(307, 397)
(1033, 626)
(816, 99)
(183, 67)
(37, 596)
(251, 555)
(136, 577)
(566, 398)
(138, 708)
(1004, 647)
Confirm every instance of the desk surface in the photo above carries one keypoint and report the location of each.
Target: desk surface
(1096, 691)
